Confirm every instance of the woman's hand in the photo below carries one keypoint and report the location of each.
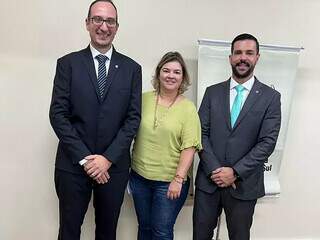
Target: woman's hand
(174, 190)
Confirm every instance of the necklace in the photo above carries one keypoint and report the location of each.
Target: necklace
(157, 119)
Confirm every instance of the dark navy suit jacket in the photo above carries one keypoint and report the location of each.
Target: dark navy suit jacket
(246, 146)
(87, 124)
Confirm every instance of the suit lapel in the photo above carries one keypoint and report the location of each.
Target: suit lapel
(226, 103)
(114, 67)
(88, 61)
(252, 98)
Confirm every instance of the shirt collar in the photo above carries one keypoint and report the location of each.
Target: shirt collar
(247, 85)
(95, 52)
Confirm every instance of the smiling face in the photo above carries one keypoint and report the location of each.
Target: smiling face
(103, 34)
(243, 60)
(170, 77)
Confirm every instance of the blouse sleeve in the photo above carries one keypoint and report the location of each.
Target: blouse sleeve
(191, 130)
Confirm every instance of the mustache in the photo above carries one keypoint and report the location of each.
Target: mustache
(243, 62)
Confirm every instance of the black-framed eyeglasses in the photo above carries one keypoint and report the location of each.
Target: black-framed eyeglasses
(98, 21)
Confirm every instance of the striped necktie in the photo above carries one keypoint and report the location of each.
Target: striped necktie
(102, 73)
(237, 104)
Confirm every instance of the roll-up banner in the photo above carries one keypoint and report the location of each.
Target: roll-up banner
(277, 67)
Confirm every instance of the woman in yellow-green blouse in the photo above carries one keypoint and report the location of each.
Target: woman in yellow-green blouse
(167, 139)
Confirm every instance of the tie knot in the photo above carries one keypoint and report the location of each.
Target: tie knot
(101, 58)
(239, 88)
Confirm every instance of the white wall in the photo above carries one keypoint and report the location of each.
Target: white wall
(34, 34)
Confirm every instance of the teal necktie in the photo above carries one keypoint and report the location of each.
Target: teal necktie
(236, 107)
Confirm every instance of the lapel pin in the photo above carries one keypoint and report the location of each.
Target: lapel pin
(257, 91)
(116, 66)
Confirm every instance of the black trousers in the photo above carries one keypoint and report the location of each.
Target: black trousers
(208, 207)
(74, 193)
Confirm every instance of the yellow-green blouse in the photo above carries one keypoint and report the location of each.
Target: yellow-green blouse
(156, 151)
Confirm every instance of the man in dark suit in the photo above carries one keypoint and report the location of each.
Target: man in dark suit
(95, 112)
(240, 121)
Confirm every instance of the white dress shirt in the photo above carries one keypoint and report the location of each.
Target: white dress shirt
(233, 92)
(95, 53)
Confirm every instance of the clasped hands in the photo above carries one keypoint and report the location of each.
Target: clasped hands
(224, 177)
(97, 167)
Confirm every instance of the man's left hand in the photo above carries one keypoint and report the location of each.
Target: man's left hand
(96, 166)
(223, 177)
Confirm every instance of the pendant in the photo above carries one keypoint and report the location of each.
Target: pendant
(155, 124)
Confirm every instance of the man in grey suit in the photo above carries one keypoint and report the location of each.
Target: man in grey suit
(240, 121)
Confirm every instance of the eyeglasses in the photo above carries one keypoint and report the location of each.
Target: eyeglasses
(98, 21)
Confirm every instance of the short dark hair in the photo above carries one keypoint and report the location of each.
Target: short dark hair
(109, 1)
(172, 57)
(244, 36)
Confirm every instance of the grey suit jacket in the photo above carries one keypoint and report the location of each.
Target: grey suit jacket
(246, 146)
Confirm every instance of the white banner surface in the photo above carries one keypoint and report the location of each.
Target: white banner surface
(277, 67)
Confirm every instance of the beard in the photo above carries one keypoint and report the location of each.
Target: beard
(245, 74)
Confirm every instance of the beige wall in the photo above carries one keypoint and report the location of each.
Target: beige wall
(35, 34)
